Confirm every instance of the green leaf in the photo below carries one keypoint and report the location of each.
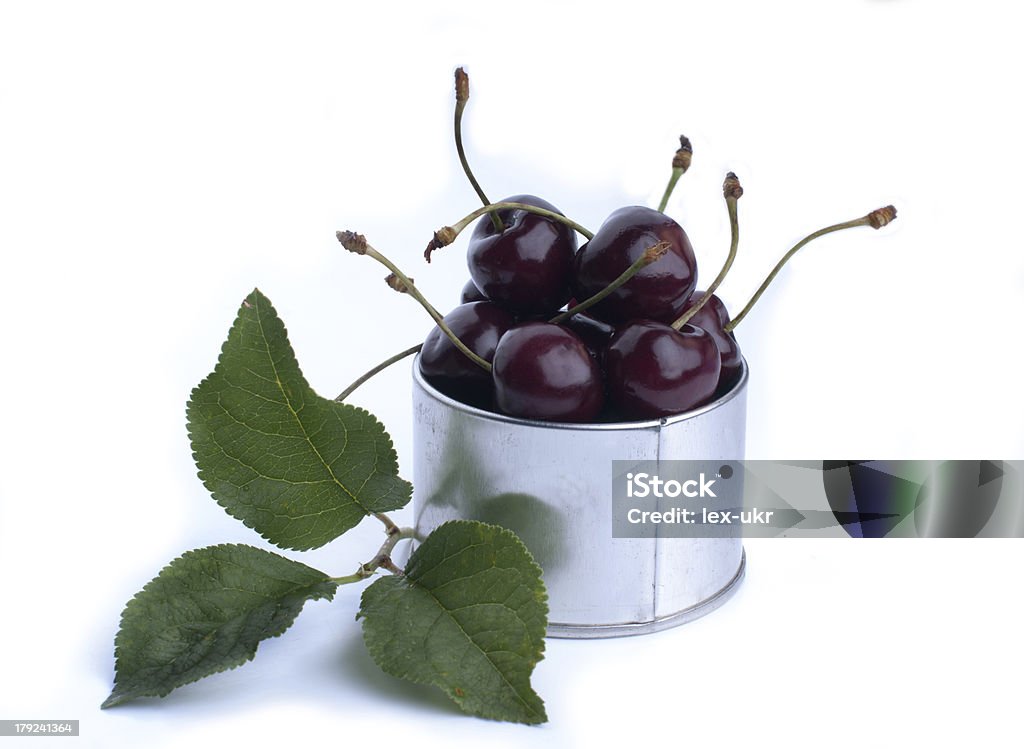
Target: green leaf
(206, 612)
(468, 616)
(298, 468)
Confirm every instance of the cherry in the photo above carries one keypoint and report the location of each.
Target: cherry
(594, 333)
(527, 265)
(652, 370)
(470, 293)
(657, 292)
(543, 371)
(523, 260)
(713, 317)
(480, 325)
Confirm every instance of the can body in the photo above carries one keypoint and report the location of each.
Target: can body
(552, 485)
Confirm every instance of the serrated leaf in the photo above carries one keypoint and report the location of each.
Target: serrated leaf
(206, 612)
(468, 616)
(298, 468)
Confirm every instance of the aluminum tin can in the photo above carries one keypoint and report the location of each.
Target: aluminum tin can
(551, 483)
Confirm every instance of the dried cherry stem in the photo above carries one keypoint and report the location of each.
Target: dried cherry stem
(376, 370)
(461, 97)
(357, 243)
(733, 191)
(447, 234)
(680, 163)
(876, 220)
(381, 559)
(649, 255)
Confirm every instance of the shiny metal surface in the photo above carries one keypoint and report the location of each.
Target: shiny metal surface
(551, 483)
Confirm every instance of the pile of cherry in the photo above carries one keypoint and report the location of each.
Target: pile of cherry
(613, 330)
(620, 359)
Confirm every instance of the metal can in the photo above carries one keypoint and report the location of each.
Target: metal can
(551, 483)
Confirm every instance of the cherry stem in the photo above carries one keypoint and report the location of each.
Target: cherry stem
(649, 255)
(379, 368)
(680, 163)
(381, 559)
(357, 243)
(876, 220)
(676, 174)
(448, 234)
(461, 97)
(461, 225)
(732, 191)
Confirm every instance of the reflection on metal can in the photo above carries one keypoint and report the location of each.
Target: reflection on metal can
(551, 483)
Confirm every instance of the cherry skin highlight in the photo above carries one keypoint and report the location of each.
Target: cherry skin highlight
(527, 267)
(480, 325)
(659, 291)
(543, 371)
(652, 370)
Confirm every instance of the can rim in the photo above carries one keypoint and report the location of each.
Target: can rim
(611, 426)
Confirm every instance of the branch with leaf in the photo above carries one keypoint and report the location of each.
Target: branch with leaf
(467, 614)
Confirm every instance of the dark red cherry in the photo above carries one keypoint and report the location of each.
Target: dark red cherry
(594, 333)
(527, 267)
(470, 293)
(543, 371)
(652, 370)
(480, 325)
(713, 317)
(659, 291)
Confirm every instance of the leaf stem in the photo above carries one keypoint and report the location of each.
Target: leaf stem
(461, 97)
(390, 526)
(379, 368)
(732, 191)
(447, 234)
(649, 255)
(391, 567)
(381, 559)
(876, 220)
(357, 243)
(349, 579)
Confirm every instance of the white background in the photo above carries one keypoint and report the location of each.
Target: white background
(159, 161)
